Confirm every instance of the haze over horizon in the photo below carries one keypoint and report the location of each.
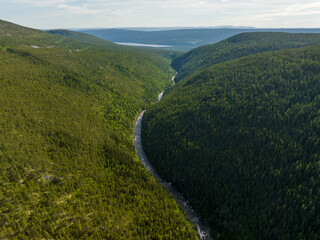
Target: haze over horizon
(49, 14)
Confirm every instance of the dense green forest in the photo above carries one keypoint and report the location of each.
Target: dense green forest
(238, 46)
(68, 166)
(241, 140)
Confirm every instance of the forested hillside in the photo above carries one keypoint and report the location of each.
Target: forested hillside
(84, 38)
(68, 164)
(167, 55)
(241, 140)
(238, 46)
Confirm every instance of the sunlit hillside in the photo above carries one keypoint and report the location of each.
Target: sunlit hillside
(68, 165)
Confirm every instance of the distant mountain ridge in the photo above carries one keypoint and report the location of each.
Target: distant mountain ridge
(83, 37)
(239, 46)
(148, 29)
(180, 39)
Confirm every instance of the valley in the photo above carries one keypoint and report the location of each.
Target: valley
(88, 150)
(202, 228)
(240, 140)
(68, 163)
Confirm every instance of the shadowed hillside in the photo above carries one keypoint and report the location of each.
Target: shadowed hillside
(241, 140)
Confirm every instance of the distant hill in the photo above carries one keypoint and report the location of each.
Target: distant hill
(177, 28)
(241, 140)
(69, 169)
(180, 39)
(86, 38)
(238, 46)
(14, 31)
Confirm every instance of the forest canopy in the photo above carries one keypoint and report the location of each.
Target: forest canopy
(69, 169)
(240, 45)
(241, 140)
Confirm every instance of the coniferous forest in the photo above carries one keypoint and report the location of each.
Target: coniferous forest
(68, 167)
(241, 139)
(240, 45)
(239, 136)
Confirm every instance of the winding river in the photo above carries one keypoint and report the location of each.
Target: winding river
(202, 229)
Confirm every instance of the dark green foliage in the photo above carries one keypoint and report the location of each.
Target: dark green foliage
(241, 140)
(239, 46)
(68, 165)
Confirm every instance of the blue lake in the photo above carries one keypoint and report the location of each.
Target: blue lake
(142, 45)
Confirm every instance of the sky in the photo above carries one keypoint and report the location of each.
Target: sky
(52, 14)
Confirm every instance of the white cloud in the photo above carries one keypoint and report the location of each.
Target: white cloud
(84, 9)
(198, 4)
(111, 13)
(40, 3)
(296, 9)
(306, 10)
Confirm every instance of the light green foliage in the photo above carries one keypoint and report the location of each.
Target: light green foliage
(241, 140)
(68, 165)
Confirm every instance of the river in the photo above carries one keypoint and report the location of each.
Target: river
(203, 229)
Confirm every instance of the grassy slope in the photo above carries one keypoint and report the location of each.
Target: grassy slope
(239, 46)
(68, 164)
(241, 140)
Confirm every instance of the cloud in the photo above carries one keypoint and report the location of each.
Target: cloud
(84, 9)
(296, 9)
(110, 13)
(41, 3)
(70, 6)
(198, 4)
